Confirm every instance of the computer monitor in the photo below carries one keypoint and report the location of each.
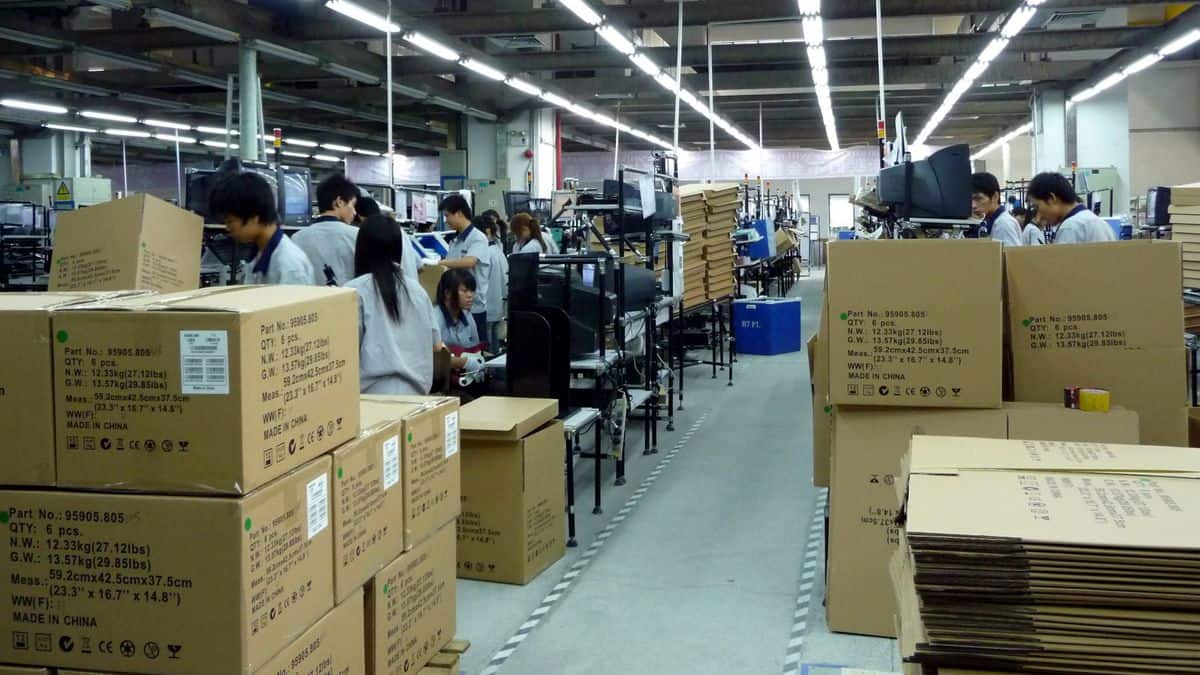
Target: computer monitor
(517, 202)
(1158, 201)
(937, 187)
(297, 195)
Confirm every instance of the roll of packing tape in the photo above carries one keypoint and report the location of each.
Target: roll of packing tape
(1095, 400)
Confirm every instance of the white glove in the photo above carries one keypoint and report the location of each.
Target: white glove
(475, 362)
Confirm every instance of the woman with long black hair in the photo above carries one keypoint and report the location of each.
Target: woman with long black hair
(396, 332)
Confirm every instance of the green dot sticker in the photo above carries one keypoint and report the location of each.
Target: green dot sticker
(340, 472)
(62, 337)
(828, 408)
(410, 437)
(845, 316)
(3, 516)
(247, 524)
(1027, 322)
(386, 589)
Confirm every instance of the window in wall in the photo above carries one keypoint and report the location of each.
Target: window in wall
(804, 203)
(841, 212)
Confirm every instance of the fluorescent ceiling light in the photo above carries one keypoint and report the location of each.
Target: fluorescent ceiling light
(219, 144)
(193, 26)
(814, 30)
(197, 78)
(483, 69)
(448, 104)
(808, 7)
(616, 39)
(556, 100)
(289, 153)
(33, 105)
(363, 15)
(1017, 21)
(166, 125)
(171, 138)
(300, 142)
(64, 85)
(335, 147)
(32, 39)
(993, 50)
(351, 73)
(645, 64)
(369, 153)
(816, 58)
(667, 81)
(1143, 63)
(523, 86)
(127, 133)
(150, 100)
(582, 10)
(285, 53)
(70, 127)
(1181, 43)
(129, 61)
(327, 158)
(272, 95)
(108, 117)
(1110, 81)
(432, 46)
(114, 4)
(217, 130)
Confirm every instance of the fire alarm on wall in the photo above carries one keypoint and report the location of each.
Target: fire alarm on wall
(528, 154)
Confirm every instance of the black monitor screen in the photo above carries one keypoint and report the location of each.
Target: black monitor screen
(297, 199)
(937, 187)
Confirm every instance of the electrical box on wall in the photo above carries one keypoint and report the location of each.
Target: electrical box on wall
(518, 139)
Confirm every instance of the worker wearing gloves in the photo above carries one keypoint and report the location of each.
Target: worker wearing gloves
(458, 332)
(1057, 204)
(329, 240)
(985, 204)
(245, 202)
(469, 252)
(397, 337)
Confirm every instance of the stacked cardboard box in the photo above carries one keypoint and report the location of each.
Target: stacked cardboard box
(1049, 557)
(218, 509)
(722, 203)
(695, 222)
(1184, 213)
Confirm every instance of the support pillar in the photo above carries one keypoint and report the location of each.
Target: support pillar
(248, 111)
(1050, 130)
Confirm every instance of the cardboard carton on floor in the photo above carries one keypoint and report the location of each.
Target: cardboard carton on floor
(22, 670)
(429, 456)
(1100, 331)
(513, 522)
(27, 385)
(822, 409)
(411, 611)
(902, 333)
(211, 391)
(368, 506)
(167, 585)
(139, 242)
(868, 450)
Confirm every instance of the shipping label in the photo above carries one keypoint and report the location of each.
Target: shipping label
(884, 347)
(1074, 332)
(360, 498)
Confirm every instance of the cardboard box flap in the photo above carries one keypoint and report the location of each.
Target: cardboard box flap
(947, 455)
(380, 410)
(32, 302)
(501, 417)
(228, 299)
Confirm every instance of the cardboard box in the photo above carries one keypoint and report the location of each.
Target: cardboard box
(368, 506)
(431, 463)
(336, 645)
(27, 385)
(21, 670)
(902, 332)
(411, 607)
(868, 448)
(822, 409)
(513, 522)
(139, 242)
(430, 276)
(211, 391)
(1194, 427)
(1099, 330)
(166, 585)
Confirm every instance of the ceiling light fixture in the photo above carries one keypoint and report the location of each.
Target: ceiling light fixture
(336, 148)
(33, 39)
(219, 144)
(1143, 63)
(1181, 43)
(127, 133)
(432, 46)
(369, 153)
(523, 86)
(483, 69)
(289, 153)
(21, 104)
(351, 73)
(282, 52)
(1006, 138)
(813, 27)
(300, 142)
(616, 39)
(70, 127)
(128, 61)
(166, 125)
(191, 25)
(217, 130)
(645, 64)
(327, 158)
(582, 10)
(171, 138)
(362, 15)
(108, 117)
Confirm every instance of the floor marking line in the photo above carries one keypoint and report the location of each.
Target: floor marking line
(804, 591)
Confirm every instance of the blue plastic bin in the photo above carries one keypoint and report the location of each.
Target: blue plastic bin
(767, 326)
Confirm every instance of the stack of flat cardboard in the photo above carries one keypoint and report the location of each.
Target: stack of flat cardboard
(695, 222)
(1185, 228)
(722, 203)
(1191, 317)
(1050, 557)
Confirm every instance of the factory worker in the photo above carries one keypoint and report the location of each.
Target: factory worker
(329, 240)
(1031, 229)
(455, 293)
(985, 204)
(469, 252)
(245, 202)
(397, 337)
(1057, 204)
(498, 284)
(530, 237)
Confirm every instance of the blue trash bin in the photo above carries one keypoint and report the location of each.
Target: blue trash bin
(767, 326)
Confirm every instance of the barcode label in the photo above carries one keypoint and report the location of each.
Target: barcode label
(391, 462)
(318, 505)
(204, 362)
(451, 434)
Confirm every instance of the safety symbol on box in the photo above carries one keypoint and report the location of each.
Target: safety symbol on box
(106, 444)
(941, 392)
(175, 649)
(72, 442)
(925, 392)
(20, 641)
(884, 391)
(66, 644)
(868, 390)
(128, 649)
(957, 391)
(151, 650)
(852, 389)
(89, 443)
(41, 642)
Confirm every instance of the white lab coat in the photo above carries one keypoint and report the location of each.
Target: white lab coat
(1084, 227)
(328, 242)
(1006, 230)
(395, 358)
(1034, 235)
(285, 264)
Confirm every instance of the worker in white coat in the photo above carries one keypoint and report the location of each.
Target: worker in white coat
(498, 284)
(330, 239)
(1057, 204)
(1030, 230)
(245, 202)
(985, 204)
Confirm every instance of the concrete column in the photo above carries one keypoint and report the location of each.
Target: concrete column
(1102, 139)
(1164, 131)
(1050, 130)
(248, 104)
(481, 149)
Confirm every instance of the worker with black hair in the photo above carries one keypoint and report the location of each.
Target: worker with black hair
(329, 241)
(985, 204)
(397, 336)
(364, 208)
(498, 283)
(245, 202)
(1057, 204)
(1030, 232)
(456, 329)
(469, 252)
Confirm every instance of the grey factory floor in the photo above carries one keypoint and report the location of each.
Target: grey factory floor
(714, 567)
